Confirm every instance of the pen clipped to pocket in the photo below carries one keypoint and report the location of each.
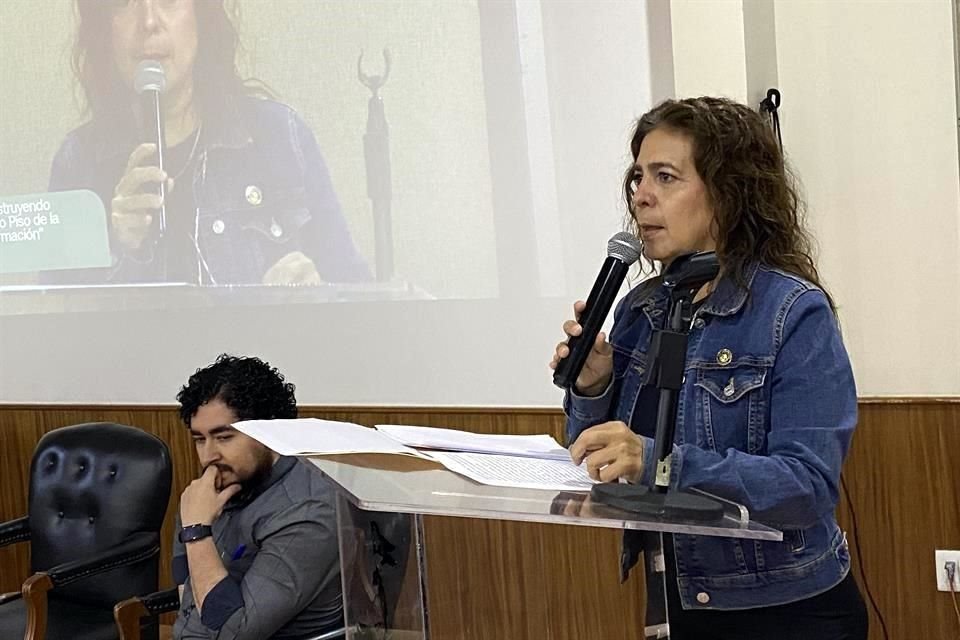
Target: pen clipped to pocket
(236, 555)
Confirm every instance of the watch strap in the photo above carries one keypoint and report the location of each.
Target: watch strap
(195, 532)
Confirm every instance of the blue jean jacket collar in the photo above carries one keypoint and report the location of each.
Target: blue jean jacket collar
(726, 300)
(227, 129)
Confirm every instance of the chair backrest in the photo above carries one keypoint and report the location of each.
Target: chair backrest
(91, 486)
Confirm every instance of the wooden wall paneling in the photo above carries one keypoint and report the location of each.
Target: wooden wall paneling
(525, 580)
(903, 480)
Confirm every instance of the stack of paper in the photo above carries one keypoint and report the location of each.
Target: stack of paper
(535, 462)
(541, 446)
(516, 471)
(313, 437)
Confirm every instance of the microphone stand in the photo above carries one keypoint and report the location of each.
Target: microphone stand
(376, 152)
(667, 357)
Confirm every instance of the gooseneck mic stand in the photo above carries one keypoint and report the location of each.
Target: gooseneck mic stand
(667, 357)
(668, 353)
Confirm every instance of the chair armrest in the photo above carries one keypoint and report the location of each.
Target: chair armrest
(137, 547)
(133, 549)
(10, 597)
(129, 613)
(34, 592)
(161, 601)
(14, 531)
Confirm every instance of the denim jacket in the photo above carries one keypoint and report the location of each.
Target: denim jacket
(765, 418)
(260, 188)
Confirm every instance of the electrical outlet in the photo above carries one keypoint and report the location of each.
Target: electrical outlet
(942, 558)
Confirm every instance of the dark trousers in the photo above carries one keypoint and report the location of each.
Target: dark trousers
(837, 614)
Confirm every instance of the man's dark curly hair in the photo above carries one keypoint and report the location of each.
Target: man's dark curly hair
(249, 386)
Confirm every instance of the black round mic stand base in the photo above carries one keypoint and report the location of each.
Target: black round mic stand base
(672, 505)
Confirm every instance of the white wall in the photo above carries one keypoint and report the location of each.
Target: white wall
(708, 48)
(870, 123)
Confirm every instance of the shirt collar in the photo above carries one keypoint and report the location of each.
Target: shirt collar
(729, 297)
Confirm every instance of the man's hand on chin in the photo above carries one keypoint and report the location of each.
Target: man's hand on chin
(201, 502)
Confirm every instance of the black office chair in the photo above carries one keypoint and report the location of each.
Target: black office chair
(97, 498)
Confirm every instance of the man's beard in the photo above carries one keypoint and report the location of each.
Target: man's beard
(262, 468)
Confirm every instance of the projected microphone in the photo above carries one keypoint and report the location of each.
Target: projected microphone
(149, 82)
(623, 249)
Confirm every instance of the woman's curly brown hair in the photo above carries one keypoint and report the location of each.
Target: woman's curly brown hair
(215, 74)
(756, 201)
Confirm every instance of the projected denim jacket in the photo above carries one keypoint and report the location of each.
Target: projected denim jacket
(260, 190)
(766, 415)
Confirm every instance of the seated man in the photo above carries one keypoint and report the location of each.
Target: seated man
(257, 554)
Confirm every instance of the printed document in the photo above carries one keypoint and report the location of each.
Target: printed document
(516, 471)
(539, 446)
(533, 462)
(312, 437)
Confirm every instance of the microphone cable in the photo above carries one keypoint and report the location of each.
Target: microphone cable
(856, 546)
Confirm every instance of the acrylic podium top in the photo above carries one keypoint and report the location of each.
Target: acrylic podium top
(402, 484)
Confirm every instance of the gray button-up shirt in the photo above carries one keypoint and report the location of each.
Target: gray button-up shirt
(279, 546)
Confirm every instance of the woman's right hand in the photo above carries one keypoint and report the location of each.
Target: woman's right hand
(598, 369)
(134, 203)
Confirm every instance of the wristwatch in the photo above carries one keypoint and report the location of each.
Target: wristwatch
(195, 532)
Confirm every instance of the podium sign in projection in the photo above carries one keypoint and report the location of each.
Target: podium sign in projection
(49, 231)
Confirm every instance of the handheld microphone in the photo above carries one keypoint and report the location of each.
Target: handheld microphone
(149, 82)
(623, 249)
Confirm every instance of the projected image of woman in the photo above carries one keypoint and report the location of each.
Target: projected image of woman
(768, 403)
(248, 195)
